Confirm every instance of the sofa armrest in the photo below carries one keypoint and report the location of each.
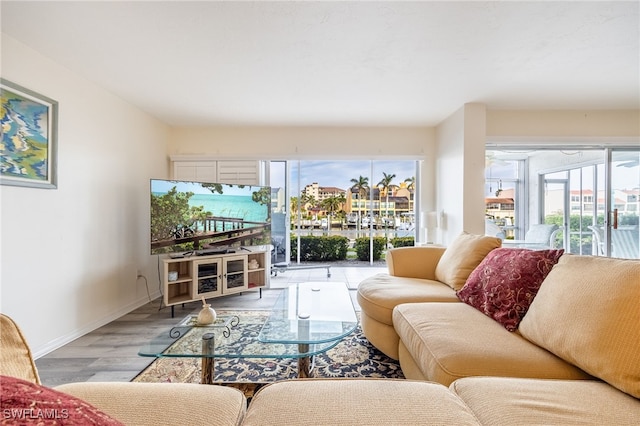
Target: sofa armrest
(163, 403)
(16, 359)
(414, 262)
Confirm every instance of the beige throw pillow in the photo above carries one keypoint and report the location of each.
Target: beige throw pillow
(462, 256)
(587, 312)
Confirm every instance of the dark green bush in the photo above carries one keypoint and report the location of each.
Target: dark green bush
(362, 247)
(322, 248)
(403, 242)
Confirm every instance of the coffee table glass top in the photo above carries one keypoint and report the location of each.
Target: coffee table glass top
(238, 336)
(308, 313)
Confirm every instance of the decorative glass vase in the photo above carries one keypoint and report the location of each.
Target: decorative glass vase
(207, 315)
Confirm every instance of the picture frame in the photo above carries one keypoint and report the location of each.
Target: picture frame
(29, 146)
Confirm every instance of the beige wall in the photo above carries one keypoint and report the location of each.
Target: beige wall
(284, 143)
(460, 173)
(615, 126)
(70, 255)
(475, 119)
(449, 176)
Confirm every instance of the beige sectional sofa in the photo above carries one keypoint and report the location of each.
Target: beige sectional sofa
(575, 354)
(417, 274)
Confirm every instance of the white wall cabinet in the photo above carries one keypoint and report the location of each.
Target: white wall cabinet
(197, 169)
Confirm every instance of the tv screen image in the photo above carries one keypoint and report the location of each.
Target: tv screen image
(203, 218)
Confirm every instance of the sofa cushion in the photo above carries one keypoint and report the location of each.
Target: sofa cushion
(462, 256)
(508, 401)
(414, 261)
(25, 402)
(448, 341)
(380, 293)
(506, 281)
(587, 312)
(153, 404)
(356, 402)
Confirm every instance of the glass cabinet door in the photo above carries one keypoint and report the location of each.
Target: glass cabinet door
(235, 276)
(209, 278)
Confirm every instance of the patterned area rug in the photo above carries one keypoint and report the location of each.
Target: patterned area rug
(353, 357)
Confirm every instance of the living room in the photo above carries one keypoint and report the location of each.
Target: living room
(71, 256)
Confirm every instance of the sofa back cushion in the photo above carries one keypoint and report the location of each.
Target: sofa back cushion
(587, 312)
(462, 256)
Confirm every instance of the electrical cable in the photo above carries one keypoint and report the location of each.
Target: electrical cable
(160, 285)
(146, 284)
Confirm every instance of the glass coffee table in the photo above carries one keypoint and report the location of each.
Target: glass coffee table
(307, 319)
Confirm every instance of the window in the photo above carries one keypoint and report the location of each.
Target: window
(591, 194)
(504, 192)
(356, 199)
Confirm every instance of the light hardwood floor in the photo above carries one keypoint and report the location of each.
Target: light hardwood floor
(110, 353)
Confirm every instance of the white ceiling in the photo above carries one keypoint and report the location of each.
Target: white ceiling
(341, 63)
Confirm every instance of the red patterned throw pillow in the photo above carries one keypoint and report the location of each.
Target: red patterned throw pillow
(23, 403)
(506, 281)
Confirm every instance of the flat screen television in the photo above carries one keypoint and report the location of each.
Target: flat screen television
(208, 218)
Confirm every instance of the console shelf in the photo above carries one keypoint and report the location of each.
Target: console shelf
(213, 276)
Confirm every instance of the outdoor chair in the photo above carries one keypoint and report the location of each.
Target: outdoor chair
(493, 230)
(539, 235)
(625, 241)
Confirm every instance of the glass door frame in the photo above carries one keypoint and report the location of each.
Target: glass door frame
(610, 216)
(567, 183)
(566, 206)
(290, 163)
(603, 160)
(608, 194)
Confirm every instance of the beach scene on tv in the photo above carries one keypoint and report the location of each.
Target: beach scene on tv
(203, 218)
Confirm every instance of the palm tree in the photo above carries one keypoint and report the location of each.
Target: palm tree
(411, 182)
(308, 201)
(386, 185)
(294, 203)
(332, 205)
(361, 185)
(411, 186)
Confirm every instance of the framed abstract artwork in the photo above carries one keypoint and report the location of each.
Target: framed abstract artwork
(28, 150)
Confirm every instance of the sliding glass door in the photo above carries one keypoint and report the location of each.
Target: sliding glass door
(592, 195)
(558, 212)
(600, 192)
(357, 199)
(569, 200)
(621, 231)
(280, 210)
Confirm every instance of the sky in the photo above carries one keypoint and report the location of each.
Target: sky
(338, 173)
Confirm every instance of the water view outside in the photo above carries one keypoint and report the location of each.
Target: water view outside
(349, 198)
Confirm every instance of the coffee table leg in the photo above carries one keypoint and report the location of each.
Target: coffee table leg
(304, 363)
(208, 362)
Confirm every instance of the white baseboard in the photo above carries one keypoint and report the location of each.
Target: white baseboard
(70, 337)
